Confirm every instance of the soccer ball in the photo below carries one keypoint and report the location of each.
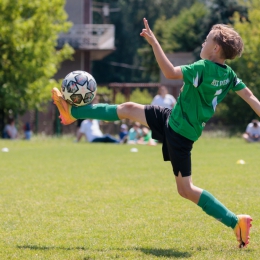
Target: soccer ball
(79, 88)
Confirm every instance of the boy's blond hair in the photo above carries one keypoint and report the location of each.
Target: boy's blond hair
(229, 40)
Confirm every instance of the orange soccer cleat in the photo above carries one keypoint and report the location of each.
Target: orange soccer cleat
(63, 107)
(242, 230)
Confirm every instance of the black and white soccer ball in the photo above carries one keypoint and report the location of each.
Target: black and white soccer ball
(79, 88)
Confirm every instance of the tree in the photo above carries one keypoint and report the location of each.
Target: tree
(29, 59)
(187, 30)
(233, 110)
(180, 33)
(222, 11)
(129, 23)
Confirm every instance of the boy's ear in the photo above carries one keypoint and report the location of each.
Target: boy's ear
(217, 48)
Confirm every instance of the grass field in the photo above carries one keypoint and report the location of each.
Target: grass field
(63, 200)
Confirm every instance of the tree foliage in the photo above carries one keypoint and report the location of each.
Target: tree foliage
(180, 33)
(222, 11)
(129, 23)
(187, 30)
(29, 59)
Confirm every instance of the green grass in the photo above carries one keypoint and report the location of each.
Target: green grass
(65, 200)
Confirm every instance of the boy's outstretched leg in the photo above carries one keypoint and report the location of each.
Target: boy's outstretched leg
(106, 112)
(69, 114)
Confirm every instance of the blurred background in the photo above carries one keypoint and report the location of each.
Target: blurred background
(42, 41)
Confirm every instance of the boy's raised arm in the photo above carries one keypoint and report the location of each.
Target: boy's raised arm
(250, 98)
(169, 71)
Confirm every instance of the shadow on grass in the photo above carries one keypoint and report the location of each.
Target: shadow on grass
(35, 247)
(164, 252)
(148, 251)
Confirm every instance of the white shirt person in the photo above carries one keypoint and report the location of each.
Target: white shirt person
(252, 133)
(164, 99)
(91, 130)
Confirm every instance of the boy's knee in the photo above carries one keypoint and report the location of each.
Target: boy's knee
(126, 107)
(186, 192)
(183, 193)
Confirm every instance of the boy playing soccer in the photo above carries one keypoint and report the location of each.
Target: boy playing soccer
(206, 83)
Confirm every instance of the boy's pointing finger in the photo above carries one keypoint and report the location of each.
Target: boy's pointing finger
(146, 25)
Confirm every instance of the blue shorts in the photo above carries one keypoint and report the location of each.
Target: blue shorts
(175, 147)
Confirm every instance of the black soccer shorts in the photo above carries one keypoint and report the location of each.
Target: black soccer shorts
(175, 147)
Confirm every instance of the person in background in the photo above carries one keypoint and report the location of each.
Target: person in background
(163, 98)
(79, 121)
(123, 133)
(134, 133)
(10, 131)
(252, 133)
(91, 130)
(146, 137)
(27, 131)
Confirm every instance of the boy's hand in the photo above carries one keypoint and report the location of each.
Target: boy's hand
(148, 34)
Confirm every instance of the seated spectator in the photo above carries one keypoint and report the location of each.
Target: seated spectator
(147, 137)
(91, 130)
(164, 99)
(123, 133)
(252, 133)
(10, 131)
(27, 131)
(134, 133)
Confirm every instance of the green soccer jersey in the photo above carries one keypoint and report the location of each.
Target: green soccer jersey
(205, 85)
